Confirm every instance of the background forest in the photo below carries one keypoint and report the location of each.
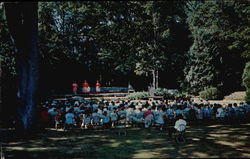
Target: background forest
(192, 45)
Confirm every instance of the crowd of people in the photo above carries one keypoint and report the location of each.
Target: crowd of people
(151, 113)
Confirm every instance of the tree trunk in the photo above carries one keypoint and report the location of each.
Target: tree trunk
(156, 78)
(153, 74)
(22, 21)
(1, 109)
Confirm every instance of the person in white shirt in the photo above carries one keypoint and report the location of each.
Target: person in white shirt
(180, 125)
(76, 104)
(220, 113)
(129, 115)
(114, 117)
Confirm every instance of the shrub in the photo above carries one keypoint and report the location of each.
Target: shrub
(246, 81)
(137, 95)
(210, 93)
(94, 100)
(181, 95)
(160, 91)
(246, 76)
(247, 98)
(163, 92)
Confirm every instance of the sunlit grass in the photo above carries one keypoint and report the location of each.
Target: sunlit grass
(202, 141)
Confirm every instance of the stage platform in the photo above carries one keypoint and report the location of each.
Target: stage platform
(91, 95)
(112, 96)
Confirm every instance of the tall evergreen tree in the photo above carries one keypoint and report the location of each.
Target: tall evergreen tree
(212, 61)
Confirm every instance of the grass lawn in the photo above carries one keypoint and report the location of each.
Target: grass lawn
(202, 141)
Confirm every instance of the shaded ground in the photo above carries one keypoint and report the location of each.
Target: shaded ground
(202, 141)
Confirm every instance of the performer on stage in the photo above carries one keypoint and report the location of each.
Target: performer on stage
(85, 87)
(75, 87)
(98, 87)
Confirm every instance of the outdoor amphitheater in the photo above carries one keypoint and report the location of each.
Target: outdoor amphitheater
(124, 79)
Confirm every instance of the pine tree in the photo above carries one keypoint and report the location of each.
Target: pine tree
(215, 57)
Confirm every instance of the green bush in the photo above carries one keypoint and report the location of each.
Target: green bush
(137, 95)
(163, 92)
(94, 100)
(160, 91)
(247, 98)
(210, 93)
(246, 76)
(182, 95)
(246, 81)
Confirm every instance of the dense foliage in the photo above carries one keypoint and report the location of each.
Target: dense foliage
(138, 96)
(168, 94)
(218, 42)
(211, 93)
(163, 92)
(246, 81)
(193, 44)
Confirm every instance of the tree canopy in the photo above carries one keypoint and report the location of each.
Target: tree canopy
(193, 44)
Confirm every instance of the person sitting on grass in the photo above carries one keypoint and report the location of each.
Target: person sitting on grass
(180, 125)
(58, 119)
(70, 119)
(206, 113)
(170, 114)
(44, 117)
(230, 111)
(86, 120)
(114, 117)
(199, 115)
(122, 113)
(148, 118)
(129, 114)
(105, 119)
(220, 113)
(192, 114)
(138, 117)
(52, 114)
(159, 118)
(96, 118)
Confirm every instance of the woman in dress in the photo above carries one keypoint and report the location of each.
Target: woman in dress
(75, 87)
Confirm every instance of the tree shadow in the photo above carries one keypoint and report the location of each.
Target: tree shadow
(224, 141)
(202, 141)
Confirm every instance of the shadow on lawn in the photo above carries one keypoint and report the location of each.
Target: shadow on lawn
(215, 141)
(209, 141)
